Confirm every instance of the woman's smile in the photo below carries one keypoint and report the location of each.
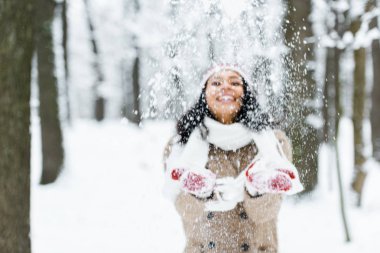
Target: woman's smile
(226, 98)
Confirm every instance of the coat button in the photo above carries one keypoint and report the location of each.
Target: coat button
(243, 215)
(244, 247)
(211, 245)
(210, 215)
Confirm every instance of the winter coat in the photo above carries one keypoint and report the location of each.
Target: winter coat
(250, 227)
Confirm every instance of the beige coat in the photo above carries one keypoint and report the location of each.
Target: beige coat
(250, 227)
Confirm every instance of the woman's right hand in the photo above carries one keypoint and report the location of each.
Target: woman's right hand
(200, 183)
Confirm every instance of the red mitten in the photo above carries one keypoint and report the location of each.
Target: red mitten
(176, 173)
(268, 181)
(200, 182)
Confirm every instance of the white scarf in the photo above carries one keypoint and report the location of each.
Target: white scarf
(226, 137)
(194, 156)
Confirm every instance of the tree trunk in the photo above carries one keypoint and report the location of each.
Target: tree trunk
(65, 37)
(131, 108)
(51, 133)
(375, 111)
(99, 99)
(328, 96)
(65, 59)
(16, 49)
(338, 115)
(304, 136)
(136, 113)
(328, 109)
(358, 115)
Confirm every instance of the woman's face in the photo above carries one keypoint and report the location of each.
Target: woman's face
(224, 94)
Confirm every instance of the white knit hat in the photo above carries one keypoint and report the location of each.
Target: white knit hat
(225, 66)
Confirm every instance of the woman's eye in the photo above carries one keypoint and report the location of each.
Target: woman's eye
(236, 84)
(215, 83)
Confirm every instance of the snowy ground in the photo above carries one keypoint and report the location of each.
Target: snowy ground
(108, 198)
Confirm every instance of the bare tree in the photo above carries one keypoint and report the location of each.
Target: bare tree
(51, 133)
(375, 111)
(136, 75)
(328, 95)
(65, 37)
(339, 28)
(65, 58)
(304, 136)
(358, 114)
(16, 49)
(136, 112)
(332, 108)
(338, 114)
(132, 108)
(99, 99)
(330, 84)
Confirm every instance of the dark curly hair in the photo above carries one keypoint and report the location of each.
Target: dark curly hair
(250, 114)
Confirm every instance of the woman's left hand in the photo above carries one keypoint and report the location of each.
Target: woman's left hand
(268, 181)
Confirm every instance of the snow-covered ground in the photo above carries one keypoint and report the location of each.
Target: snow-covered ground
(108, 199)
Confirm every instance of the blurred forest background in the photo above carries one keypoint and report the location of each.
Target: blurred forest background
(313, 63)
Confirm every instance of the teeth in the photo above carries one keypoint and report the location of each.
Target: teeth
(226, 98)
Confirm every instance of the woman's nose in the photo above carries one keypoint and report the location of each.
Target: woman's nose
(225, 84)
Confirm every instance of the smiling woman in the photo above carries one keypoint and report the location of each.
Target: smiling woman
(226, 169)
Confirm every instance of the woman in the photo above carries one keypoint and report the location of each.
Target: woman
(225, 177)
